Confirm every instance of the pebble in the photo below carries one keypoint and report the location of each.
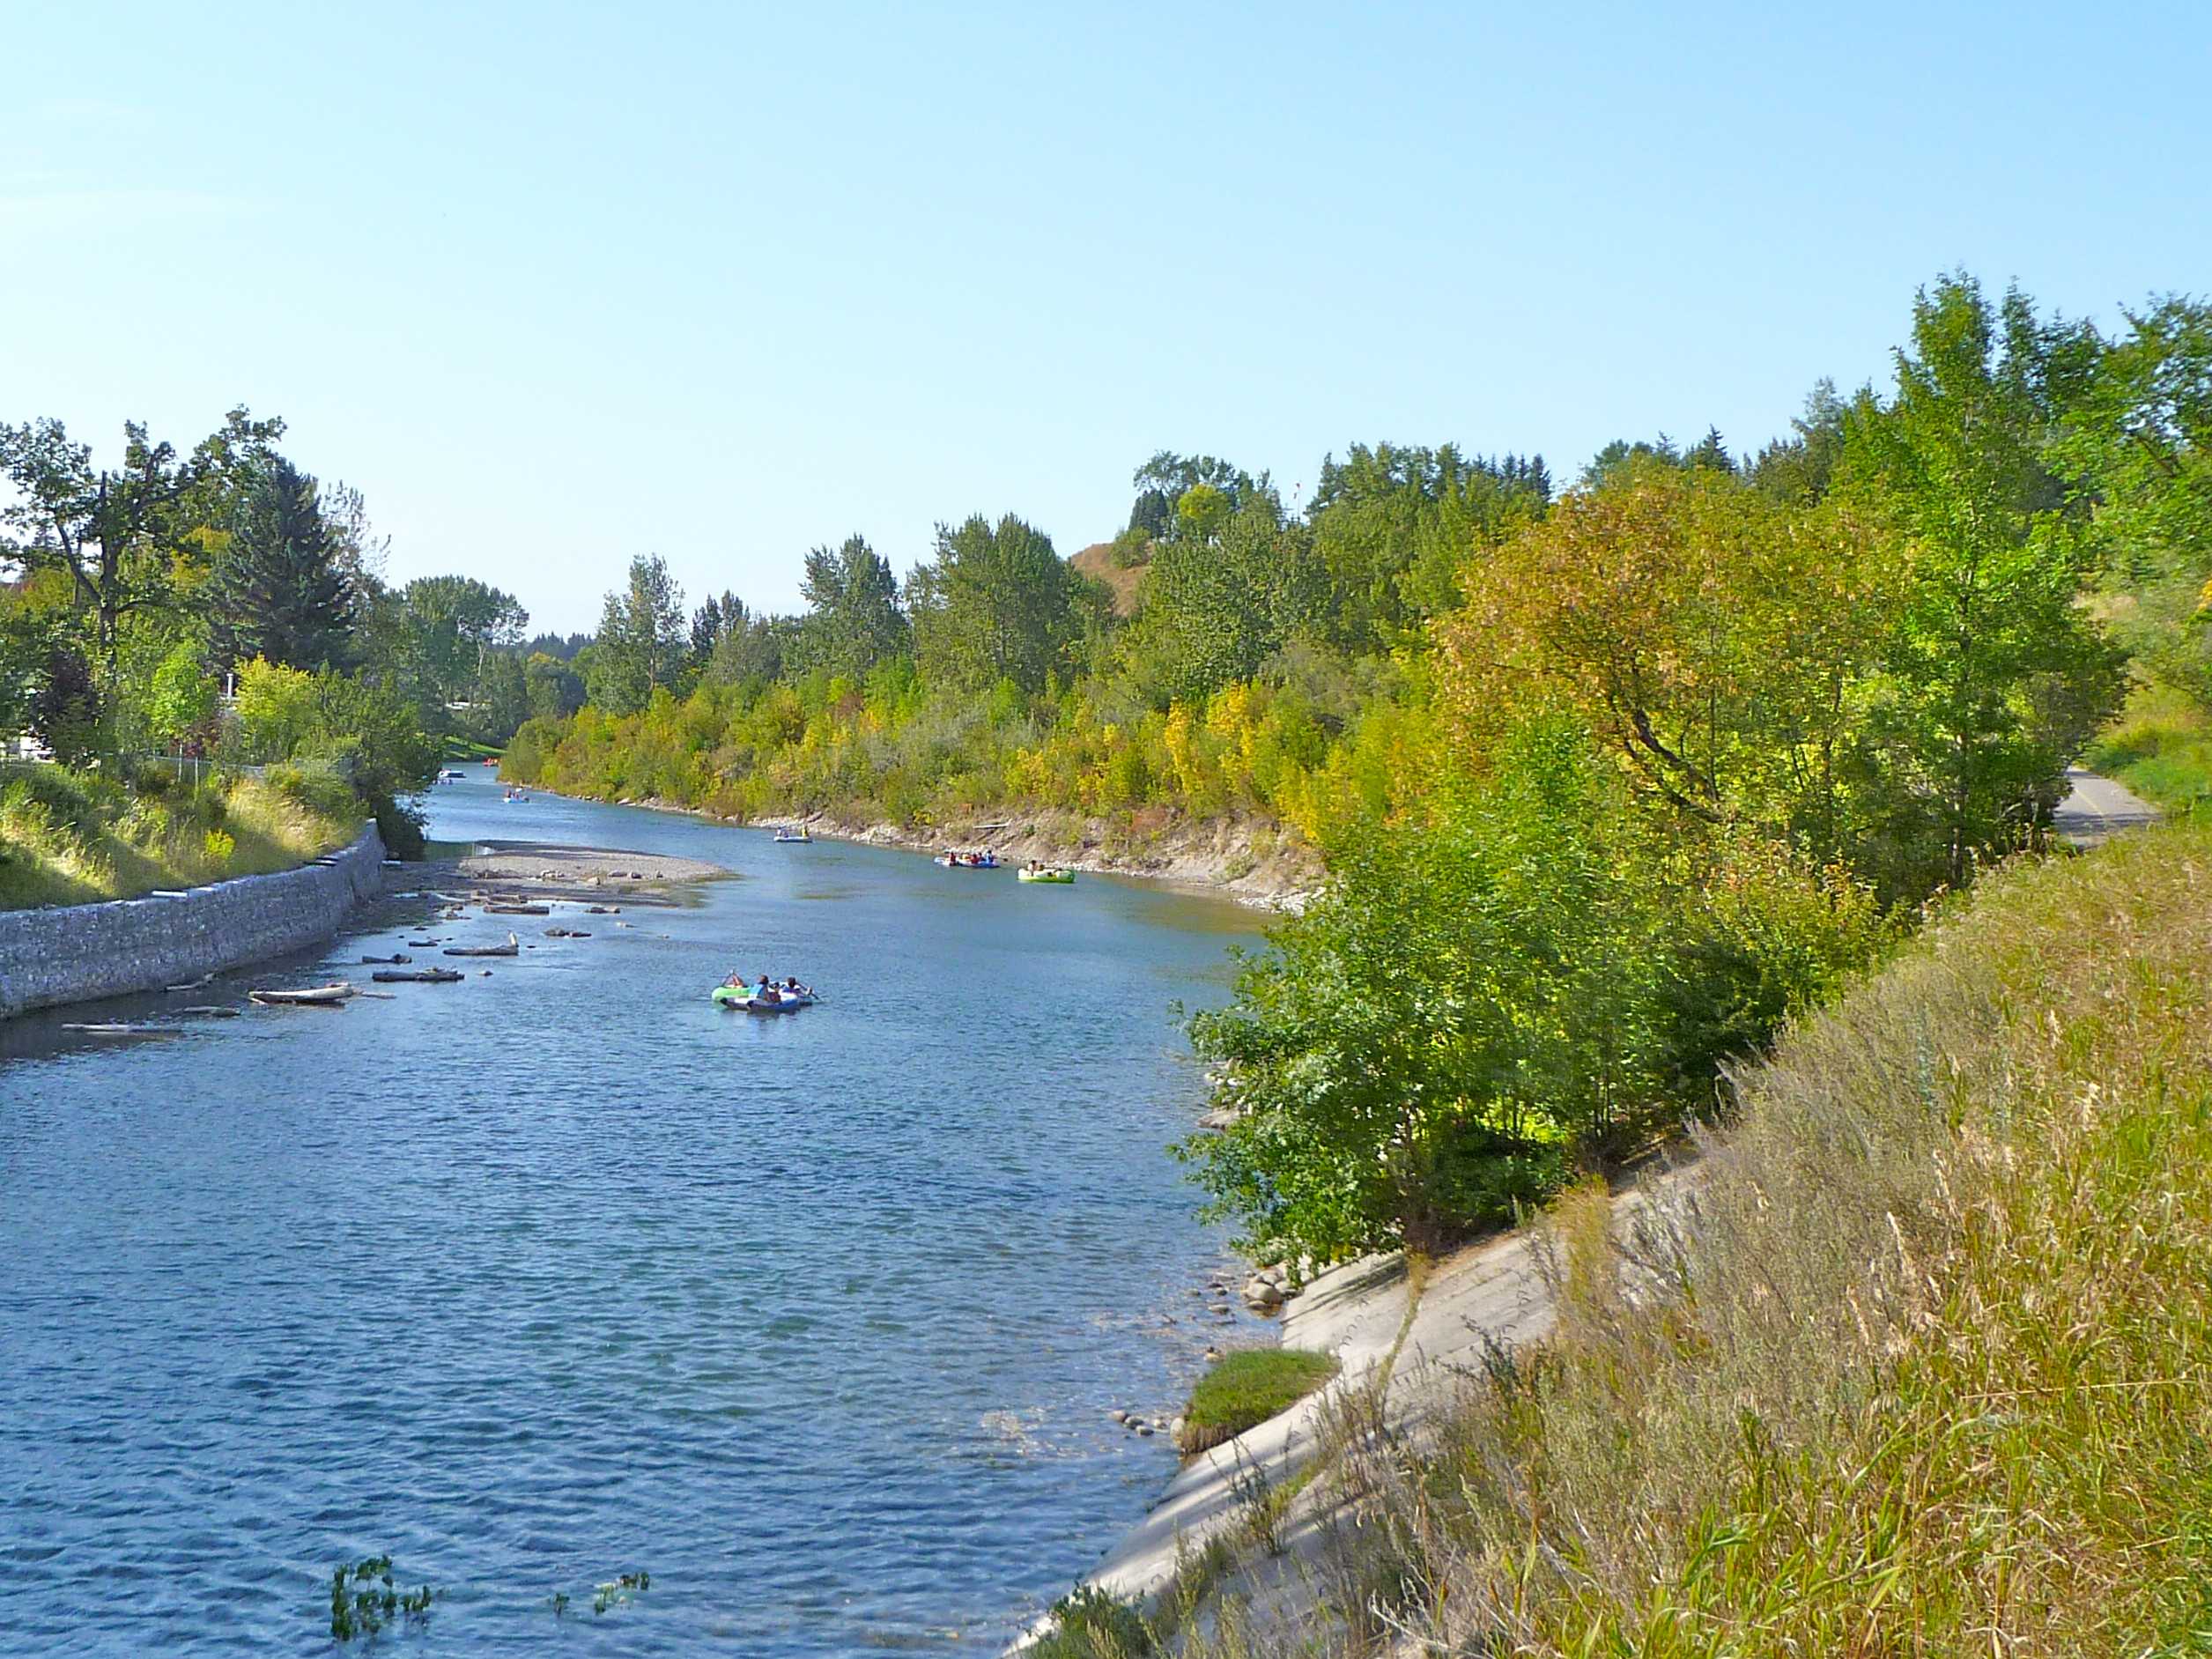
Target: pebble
(1144, 1429)
(1118, 1415)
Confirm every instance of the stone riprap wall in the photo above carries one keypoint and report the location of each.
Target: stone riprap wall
(72, 954)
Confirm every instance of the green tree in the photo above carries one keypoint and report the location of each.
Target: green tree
(1215, 611)
(997, 602)
(642, 637)
(277, 591)
(120, 532)
(852, 620)
(1995, 674)
(1798, 468)
(1394, 529)
(1431, 1041)
(1161, 482)
(181, 697)
(442, 630)
(2138, 451)
(551, 688)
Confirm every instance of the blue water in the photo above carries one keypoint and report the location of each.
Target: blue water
(563, 1271)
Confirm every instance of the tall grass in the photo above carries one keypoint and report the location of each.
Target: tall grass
(1926, 1366)
(76, 838)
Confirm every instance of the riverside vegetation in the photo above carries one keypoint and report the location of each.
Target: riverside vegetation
(172, 626)
(1922, 1369)
(1609, 782)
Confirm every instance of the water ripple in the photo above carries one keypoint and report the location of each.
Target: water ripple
(562, 1272)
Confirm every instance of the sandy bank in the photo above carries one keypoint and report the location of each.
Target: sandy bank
(543, 871)
(1249, 860)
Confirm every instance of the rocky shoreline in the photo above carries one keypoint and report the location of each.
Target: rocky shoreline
(1250, 861)
(1405, 1345)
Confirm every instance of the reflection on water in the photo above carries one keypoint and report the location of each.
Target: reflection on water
(562, 1270)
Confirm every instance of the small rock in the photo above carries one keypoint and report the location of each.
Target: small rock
(1263, 1294)
(1175, 1429)
(1217, 1307)
(1210, 1355)
(1118, 1415)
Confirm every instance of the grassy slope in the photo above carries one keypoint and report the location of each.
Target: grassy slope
(2160, 747)
(65, 840)
(1935, 1379)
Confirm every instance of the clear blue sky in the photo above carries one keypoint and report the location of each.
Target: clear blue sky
(559, 283)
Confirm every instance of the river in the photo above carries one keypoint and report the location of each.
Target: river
(564, 1272)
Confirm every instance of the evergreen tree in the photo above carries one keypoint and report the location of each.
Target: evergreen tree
(277, 590)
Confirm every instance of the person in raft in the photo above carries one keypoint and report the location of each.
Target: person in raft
(736, 981)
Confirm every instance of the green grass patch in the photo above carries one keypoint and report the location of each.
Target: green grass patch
(2160, 747)
(1248, 1386)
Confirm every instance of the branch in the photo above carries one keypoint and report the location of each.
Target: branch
(1642, 723)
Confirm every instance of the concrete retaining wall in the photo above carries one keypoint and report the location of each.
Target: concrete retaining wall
(72, 954)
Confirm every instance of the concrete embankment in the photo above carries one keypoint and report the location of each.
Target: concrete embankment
(74, 953)
(1406, 1350)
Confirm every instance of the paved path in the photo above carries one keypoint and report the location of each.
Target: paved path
(2096, 808)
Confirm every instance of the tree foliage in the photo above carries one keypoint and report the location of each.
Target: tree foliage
(277, 589)
(996, 603)
(641, 641)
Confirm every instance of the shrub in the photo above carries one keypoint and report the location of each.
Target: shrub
(1088, 1622)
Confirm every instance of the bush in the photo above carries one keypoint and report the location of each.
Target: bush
(400, 827)
(1247, 1387)
(1090, 1624)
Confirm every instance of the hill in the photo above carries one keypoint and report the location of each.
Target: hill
(1096, 561)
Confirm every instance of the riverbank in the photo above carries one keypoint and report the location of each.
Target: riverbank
(1867, 1369)
(1267, 1520)
(86, 837)
(1250, 861)
(80, 953)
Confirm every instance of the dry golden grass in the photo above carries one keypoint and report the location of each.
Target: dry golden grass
(1929, 1373)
